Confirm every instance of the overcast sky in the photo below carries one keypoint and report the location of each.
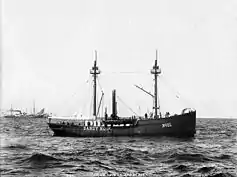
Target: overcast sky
(48, 49)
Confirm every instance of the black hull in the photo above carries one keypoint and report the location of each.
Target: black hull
(25, 116)
(17, 117)
(38, 116)
(178, 125)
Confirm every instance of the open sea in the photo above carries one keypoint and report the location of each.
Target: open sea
(29, 149)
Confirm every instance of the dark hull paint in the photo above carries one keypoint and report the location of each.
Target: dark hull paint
(178, 125)
(17, 117)
(38, 116)
(26, 116)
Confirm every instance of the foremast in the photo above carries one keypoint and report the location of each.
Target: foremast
(156, 71)
(95, 71)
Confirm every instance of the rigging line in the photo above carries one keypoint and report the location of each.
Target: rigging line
(158, 97)
(126, 105)
(126, 72)
(66, 100)
(100, 86)
(100, 104)
(91, 100)
(174, 91)
(168, 84)
(84, 82)
(144, 90)
(101, 95)
(180, 97)
(102, 108)
(84, 106)
(86, 96)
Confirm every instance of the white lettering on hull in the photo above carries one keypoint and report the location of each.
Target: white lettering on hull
(96, 128)
(167, 125)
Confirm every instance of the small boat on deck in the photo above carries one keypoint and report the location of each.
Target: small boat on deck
(181, 125)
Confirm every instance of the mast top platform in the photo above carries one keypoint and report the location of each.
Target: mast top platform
(156, 69)
(95, 69)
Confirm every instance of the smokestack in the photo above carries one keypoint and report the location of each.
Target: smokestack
(114, 104)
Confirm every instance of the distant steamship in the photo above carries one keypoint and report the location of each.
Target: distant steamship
(182, 125)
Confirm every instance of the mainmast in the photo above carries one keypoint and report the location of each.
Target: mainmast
(156, 71)
(95, 71)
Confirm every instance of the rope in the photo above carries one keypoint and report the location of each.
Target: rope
(99, 85)
(162, 78)
(127, 72)
(127, 105)
(102, 101)
(158, 101)
(177, 93)
(102, 107)
(67, 100)
(90, 103)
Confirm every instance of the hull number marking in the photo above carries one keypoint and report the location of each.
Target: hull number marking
(166, 125)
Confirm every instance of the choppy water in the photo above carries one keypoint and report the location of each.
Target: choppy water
(28, 149)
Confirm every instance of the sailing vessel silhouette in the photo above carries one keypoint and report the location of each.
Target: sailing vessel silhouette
(183, 125)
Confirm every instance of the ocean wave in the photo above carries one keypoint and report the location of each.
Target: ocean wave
(82, 168)
(101, 165)
(164, 154)
(222, 175)
(211, 152)
(41, 161)
(189, 157)
(17, 146)
(39, 157)
(181, 168)
(17, 172)
(205, 169)
(186, 175)
(224, 157)
(15, 143)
